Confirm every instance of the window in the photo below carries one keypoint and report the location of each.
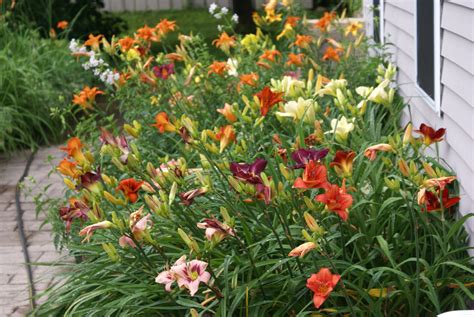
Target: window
(428, 59)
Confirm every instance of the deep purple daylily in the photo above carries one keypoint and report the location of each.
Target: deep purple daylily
(303, 156)
(249, 173)
(91, 181)
(164, 71)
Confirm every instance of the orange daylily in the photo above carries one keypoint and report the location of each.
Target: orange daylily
(163, 124)
(93, 41)
(248, 79)
(336, 200)
(342, 162)
(73, 149)
(165, 26)
(323, 23)
(270, 55)
(68, 168)
(268, 99)
(333, 54)
(147, 34)
(295, 59)
(322, 284)
(86, 97)
(224, 42)
(62, 25)
(130, 187)
(440, 182)
(227, 113)
(303, 41)
(371, 152)
(218, 68)
(126, 43)
(225, 136)
(314, 176)
(292, 20)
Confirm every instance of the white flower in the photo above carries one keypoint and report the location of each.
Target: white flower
(73, 46)
(220, 28)
(109, 76)
(212, 8)
(341, 128)
(218, 16)
(235, 18)
(332, 87)
(303, 109)
(289, 86)
(224, 10)
(379, 94)
(232, 65)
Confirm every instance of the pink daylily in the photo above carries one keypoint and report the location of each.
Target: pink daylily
(168, 277)
(139, 224)
(215, 229)
(89, 230)
(125, 241)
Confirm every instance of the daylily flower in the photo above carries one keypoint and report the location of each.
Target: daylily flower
(289, 85)
(89, 230)
(286, 32)
(218, 68)
(86, 98)
(119, 142)
(225, 136)
(268, 99)
(232, 65)
(379, 94)
(190, 274)
(249, 173)
(77, 210)
(342, 128)
(164, 71)
(303, 109)
(303, 156)
(126, 43)
(93, 41)
(187, 198)
(352, 28)
(314, 176)
(303, 41)
(333, 54)
(62, 25)
(91, 181)
(292, 20)
(302, 250)
(215, 230)
(342, 163)
(322, 284)
(130, 187)
(371, 152)
(248, 79)
(147, 34)
(163, 124)
(224, 42)
(431, 201)
(139, 223)
(270, 55)
(73, 149)
(271, 16)
(295, 59)
(165, 26)
(336, 199)
(68, 168)
(331, 87)
(431, 135)
(227, 113)
(168, 277)
(439, 182)
(125, 241)
(325, 21)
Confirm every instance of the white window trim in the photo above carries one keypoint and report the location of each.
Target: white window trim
(435, 103)
(382, 21)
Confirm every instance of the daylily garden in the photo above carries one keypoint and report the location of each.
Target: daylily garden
(269, 178)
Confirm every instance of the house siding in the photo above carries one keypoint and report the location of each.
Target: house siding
(457, 84)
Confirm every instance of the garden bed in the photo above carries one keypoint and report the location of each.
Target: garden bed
(272, 179)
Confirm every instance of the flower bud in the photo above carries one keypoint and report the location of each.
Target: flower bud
(403, 166)
(311, 222)
(131, 130)
(173, 191)
(111, 251)
(69, 184)
(407, 136)
(429, 170)
(307, 236)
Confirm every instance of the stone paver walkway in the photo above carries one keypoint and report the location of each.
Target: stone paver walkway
(14, 292)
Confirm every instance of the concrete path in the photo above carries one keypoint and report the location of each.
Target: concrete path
(14, 291)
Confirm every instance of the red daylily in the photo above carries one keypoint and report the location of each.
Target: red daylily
(322, 284)
(336, 199)
(164, 71)
(130, 187)
(268, 99)
(342, 162)
(431, 135)
(77, 210)
(432, 202)
(314, 176)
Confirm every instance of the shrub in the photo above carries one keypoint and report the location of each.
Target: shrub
(267, 183)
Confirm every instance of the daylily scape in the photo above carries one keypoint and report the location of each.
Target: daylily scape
(268, 175)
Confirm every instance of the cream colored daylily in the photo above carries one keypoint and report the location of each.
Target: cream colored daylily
(303, 109)
(289, 86)
(380, 94)
(232, 65)
(341, 128)
(332, 87)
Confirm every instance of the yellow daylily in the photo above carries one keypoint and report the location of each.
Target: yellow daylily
(303, 109)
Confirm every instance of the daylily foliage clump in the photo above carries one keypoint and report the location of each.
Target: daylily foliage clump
(271, 179)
